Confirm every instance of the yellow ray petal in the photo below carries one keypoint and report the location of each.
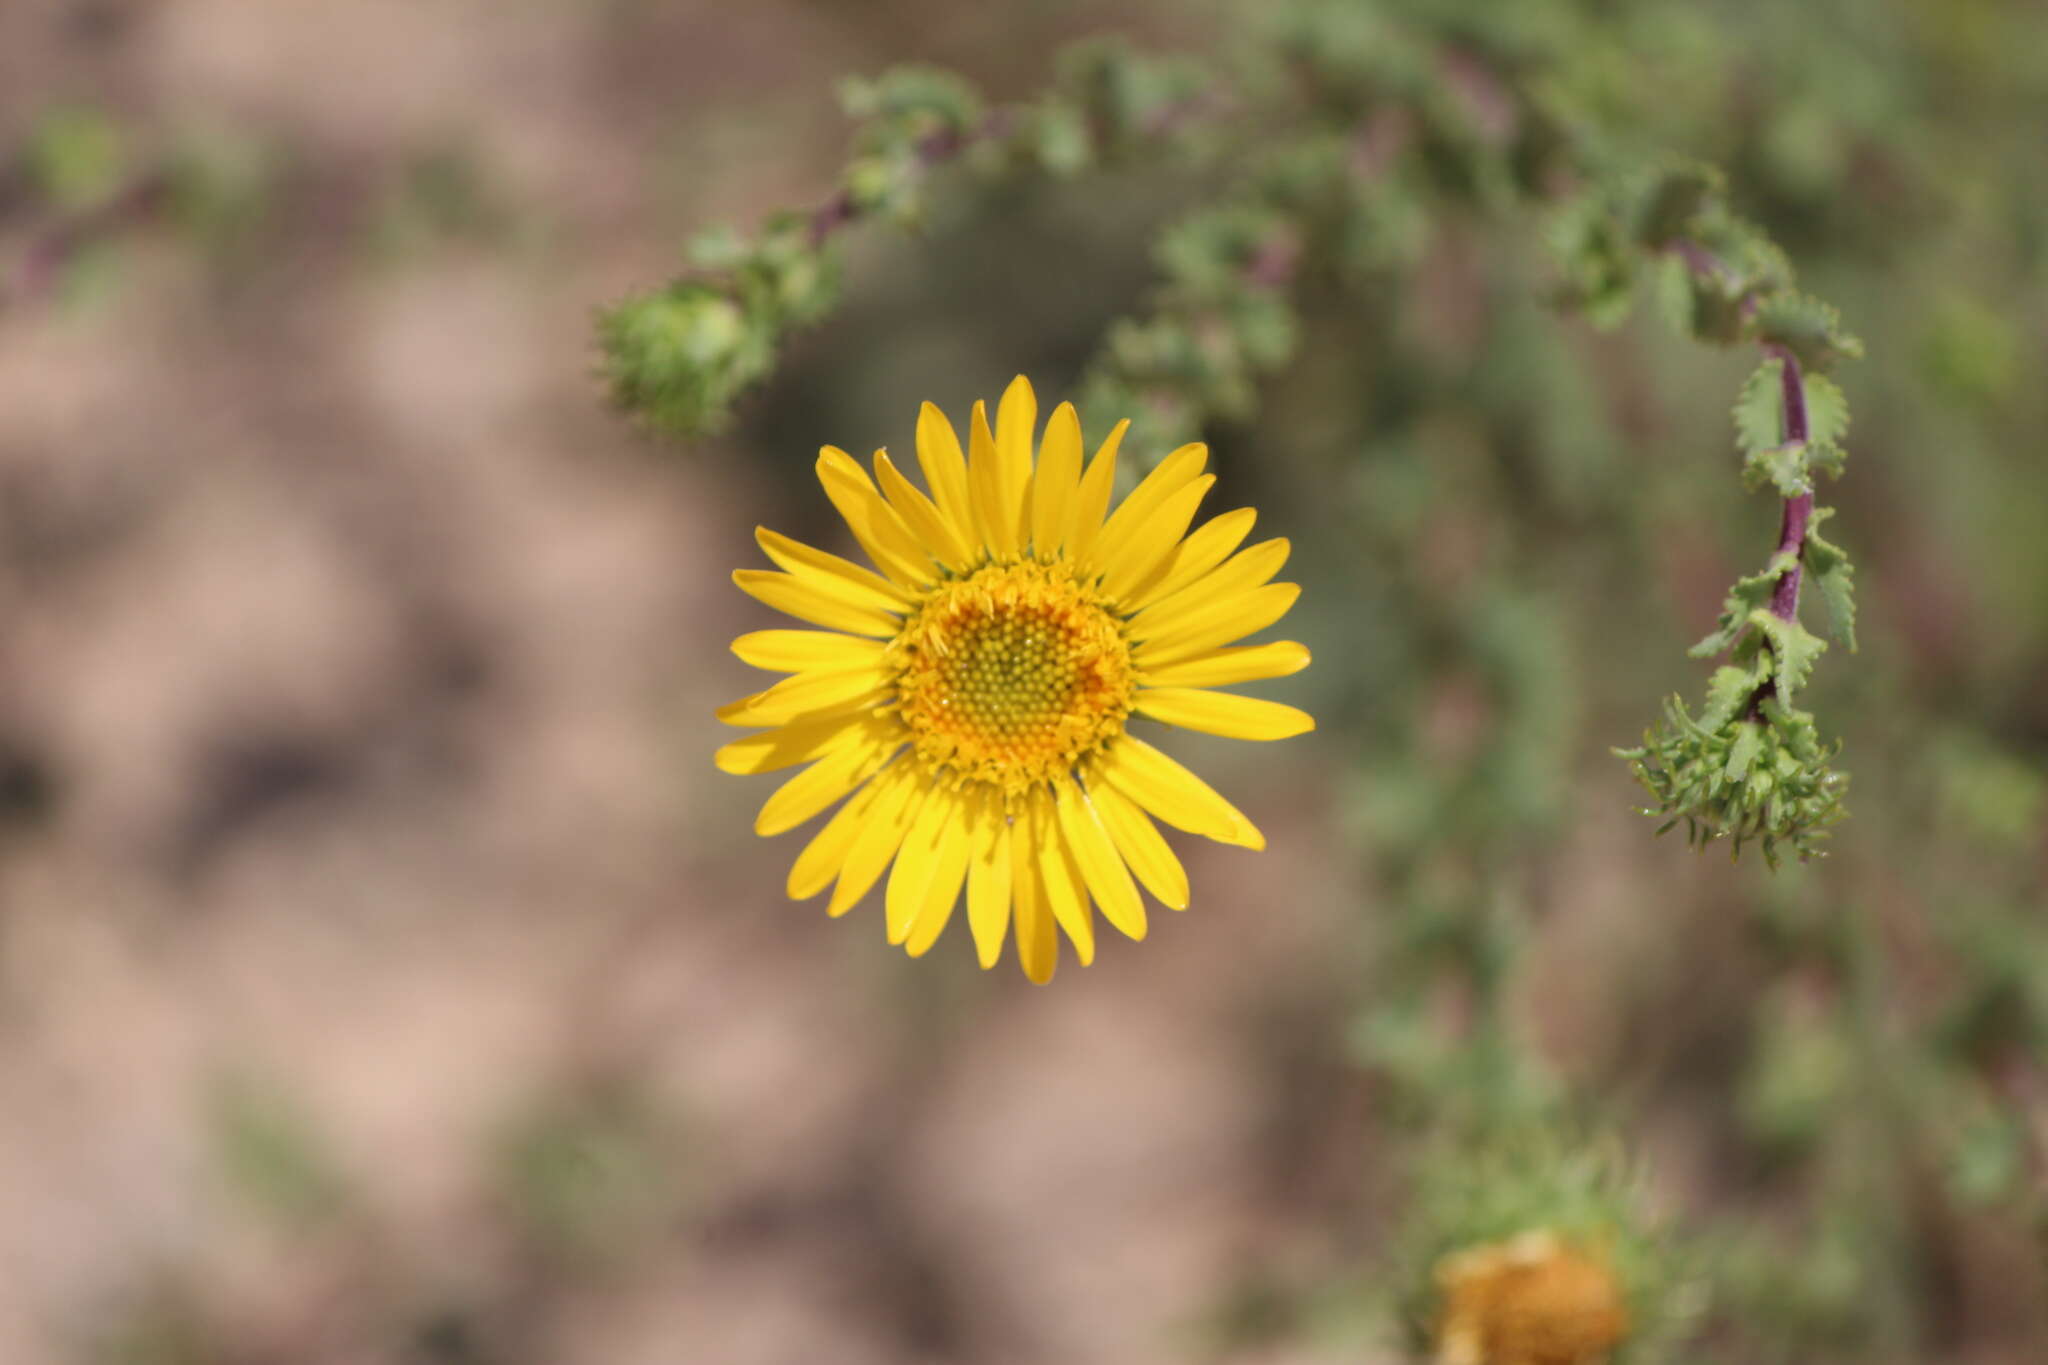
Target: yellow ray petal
(921, 515)
(943, 894)
(1016, 434)
(819, 785)
(1174, 473)
(1219, 623)
(945, 468)
(874, 523)
(1209, 546)
(806, 601)
(996, 522)
(799, 651)
(1138, 555)
(789, 745)
(1038, 944)
(1143, 847)
(802, 698)
(1060, 882)
(1109, 881)
(894, 811)
(840, 577)
(1174, 794)
(824, 856)
(988, 881)
(1223, 713)
(1091, 499)
(915, 863)
(1243, 573)
(1245, 663)
(1054, 480)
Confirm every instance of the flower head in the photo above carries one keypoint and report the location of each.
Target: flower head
(971, 701)
(1531, 1300)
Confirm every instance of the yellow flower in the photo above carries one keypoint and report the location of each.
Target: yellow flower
(971, 699)
(1531, 1300)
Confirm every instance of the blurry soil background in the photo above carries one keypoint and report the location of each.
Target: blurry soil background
(386, 975)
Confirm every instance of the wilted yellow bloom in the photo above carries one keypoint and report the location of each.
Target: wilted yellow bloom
(1531, 1300)
(971, 700)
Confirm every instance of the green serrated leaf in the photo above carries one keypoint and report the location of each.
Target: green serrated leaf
(1793, 646)
(1836, 577)
(1728, 694)
(1827, 411)
(1760, 409)
(1781, 467)
(1744, 599)
(1771, 457)
(1810, 329)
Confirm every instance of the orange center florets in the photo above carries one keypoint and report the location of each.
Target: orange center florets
(1010, 675)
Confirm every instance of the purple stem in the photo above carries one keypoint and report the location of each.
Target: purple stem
(1798, 515)
(1798, 510)
(934, 149)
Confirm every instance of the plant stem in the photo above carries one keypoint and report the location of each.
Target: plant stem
(1798, 510)
(1798, 513)
(933, 150)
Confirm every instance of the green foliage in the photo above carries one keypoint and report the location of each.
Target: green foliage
(1215, 328)
(1124, 98)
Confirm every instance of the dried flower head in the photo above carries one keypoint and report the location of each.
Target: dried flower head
(1531, 1300)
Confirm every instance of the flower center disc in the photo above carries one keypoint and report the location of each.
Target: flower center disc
(1010, 675)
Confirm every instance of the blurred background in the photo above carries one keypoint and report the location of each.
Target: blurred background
(387, 976)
